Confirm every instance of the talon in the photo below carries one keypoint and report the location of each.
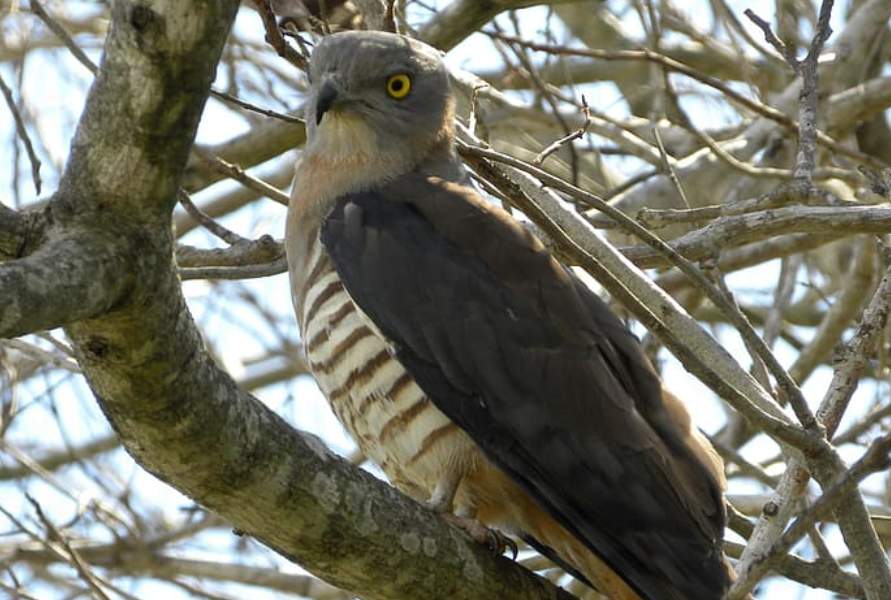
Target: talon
(493, 539)
(514, 549)
(499, 543)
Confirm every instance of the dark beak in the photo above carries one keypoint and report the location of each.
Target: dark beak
(324, 101)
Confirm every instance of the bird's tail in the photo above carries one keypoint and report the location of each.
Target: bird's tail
(552, 540)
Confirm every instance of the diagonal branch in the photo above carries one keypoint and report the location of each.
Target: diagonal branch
(23, 134)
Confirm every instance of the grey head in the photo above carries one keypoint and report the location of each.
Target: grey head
(396, 88)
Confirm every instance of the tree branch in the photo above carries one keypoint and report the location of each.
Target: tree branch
(460, 18)
(73, 277)
(59, 458)
(730, 231)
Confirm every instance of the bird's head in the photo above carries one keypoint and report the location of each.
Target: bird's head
(376, 92)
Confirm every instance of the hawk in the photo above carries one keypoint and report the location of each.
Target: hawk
(480, 374)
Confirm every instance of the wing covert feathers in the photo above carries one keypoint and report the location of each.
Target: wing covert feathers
(543, 377)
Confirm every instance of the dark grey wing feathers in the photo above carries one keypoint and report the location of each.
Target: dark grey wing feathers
(553, 388)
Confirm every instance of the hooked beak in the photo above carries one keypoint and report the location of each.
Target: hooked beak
(325, 100)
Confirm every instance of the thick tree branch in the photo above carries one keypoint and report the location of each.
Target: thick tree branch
(72, 277)
(134, 136)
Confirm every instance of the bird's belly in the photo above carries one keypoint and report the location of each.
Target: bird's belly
(394, 423)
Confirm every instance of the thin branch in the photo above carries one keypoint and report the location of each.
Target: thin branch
(276, 267)
(264, 249)
(56, 28)
(73, 557)
(57, 459)
(275, 38)
(22, 132)
(855, 356)
(263, 111)
(671, 171)
(17, 593)
(567, 139)
(237, 173)
(736, 230)
(225, 234)
(136, 557)
(784, 50)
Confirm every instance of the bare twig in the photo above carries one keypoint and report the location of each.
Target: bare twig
(854, 357)
(275, 38)
(235, 172)
(671, 172)
(248, 106)
(784, 50)
(22, 133)
(734, 230)
(56, 28)
(17, 593)
(807, 69)
(74, 557)
(225, 234)
(51, 461)
(567, 139)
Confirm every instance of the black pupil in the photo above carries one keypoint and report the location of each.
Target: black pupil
(396, 85)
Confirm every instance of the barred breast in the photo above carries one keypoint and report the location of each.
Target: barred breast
(391, 419)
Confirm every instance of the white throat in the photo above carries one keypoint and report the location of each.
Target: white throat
(343, 156)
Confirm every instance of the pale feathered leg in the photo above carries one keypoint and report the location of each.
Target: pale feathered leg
(442, 502)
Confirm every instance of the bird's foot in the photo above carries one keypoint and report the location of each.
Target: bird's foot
(493, 539)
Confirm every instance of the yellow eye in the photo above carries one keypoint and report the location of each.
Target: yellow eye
(398, 86)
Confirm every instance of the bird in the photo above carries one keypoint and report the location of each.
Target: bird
(482, 376)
